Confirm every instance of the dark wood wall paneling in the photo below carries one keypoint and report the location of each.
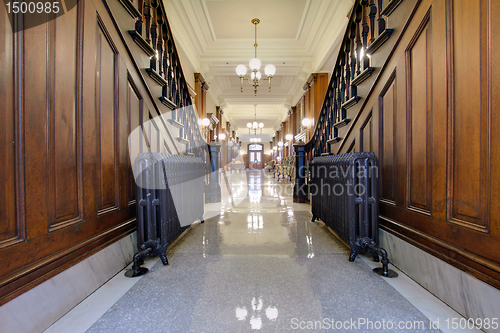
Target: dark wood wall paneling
(429, 119)
(71, 99)
(12, 222)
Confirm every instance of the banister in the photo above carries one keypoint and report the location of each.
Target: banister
(366, 29)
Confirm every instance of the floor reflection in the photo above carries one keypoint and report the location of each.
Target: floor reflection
(257, 316)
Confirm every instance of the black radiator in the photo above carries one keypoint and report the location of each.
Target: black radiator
(344, 192)
(169, 197)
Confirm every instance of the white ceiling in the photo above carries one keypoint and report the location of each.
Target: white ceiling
(299, 37)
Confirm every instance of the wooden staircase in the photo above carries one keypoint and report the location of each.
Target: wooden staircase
(362, 54)
(152, 47)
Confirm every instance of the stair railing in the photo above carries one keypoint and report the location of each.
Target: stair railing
(366, 31)
(153, 35)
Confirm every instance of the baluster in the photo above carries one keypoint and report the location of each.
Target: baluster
(147, 17)
(364, 34)
(373, 13)
(169, 71)
(359, 44)
(334, 91)
(342, 77)
(154, 35)
(380, 20)
(160, 45)
(353, 51)
(174, 79)
(177, 83)
(347, 69)
(354, 89)
(327, 112)
(339, 92)
(138, 21)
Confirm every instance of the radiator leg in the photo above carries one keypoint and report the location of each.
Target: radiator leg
(162, 254)
(163, 258)
(353, 255)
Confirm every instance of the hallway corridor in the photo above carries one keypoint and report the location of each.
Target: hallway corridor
(260, 265)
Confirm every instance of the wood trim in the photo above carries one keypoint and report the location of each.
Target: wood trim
(156, 77)
(139, 40)
(22, 280)
(129, 6)
(380, 73)
(475, 265)
(426, 21)
(379, 41)
(19, 135)
(390, 7)
(351, 102)
(363, 76)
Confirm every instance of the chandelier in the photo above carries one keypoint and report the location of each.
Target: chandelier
(255, 125)
(254, 64)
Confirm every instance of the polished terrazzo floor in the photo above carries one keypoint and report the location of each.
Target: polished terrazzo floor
(259, 265)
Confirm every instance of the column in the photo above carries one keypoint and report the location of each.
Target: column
(300, 187)
(213, 190)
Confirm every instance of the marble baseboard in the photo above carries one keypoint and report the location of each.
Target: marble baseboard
(467, 295)
(40, 307)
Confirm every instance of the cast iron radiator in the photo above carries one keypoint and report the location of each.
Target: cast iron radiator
(169, 197)
(345, 196)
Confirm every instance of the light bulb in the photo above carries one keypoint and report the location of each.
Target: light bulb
(241, 70)
(280, 143)
(306, 122)
(222, 136)
(258, 75)
(255, 124)
(270, 70)
(261, 125)
(289, 136)
(205, 122)
(275, 148)
(249, 125)
(254, 64)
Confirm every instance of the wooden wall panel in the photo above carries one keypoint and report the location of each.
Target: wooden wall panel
(63, 147)
(436, 130)
(418, 57)
(469, 176)
(134, 109)
(107, 163)
(11, 223)
(51, 151)
(387, 111)
(366, 134)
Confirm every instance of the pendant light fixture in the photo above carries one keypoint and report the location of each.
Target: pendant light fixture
(254, 64)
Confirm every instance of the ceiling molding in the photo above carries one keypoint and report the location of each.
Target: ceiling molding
(317, 25)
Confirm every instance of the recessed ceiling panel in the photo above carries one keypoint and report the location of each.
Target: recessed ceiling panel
(231, 19)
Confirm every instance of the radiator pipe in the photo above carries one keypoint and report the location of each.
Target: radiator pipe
(137, 270)
(368, 244)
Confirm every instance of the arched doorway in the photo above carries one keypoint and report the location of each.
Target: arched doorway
(255, 152)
